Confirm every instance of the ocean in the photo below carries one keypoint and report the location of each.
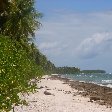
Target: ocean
(103, 79)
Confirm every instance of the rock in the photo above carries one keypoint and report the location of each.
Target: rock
(76, 93)
(48, 89)
(94, 98)
(47, 93)
(85, 94)
(59, 89)
(101, 102)
(67, 92)
(40, 87)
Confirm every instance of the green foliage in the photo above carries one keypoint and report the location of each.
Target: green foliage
(93, 71)
(19, 61)
(16, 70)
(41, 60)
(67, 70)
(19, 19)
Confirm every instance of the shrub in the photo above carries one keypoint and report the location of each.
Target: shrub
(16, 70)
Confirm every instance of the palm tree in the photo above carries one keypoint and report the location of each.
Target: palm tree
(21, 20)
(3, 6)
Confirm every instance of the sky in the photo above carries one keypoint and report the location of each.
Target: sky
(76, 33)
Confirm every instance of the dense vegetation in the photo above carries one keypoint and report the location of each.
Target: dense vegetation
(16, 70)
(93, 71)
(74, 70)
(20, 59)
(42, 60)
(67, 70)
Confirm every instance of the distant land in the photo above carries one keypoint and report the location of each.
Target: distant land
(67, 70)
(93, 71)
(74, 70)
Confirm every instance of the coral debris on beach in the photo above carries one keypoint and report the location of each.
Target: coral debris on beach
(56, 94)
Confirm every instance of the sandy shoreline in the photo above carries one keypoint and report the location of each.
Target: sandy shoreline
(55, 95)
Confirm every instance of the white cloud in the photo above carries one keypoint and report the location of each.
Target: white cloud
(64, 36)
(98, 44)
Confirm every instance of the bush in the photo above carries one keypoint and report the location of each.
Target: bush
(16, 70)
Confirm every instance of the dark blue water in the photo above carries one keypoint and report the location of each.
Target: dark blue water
(101, 78)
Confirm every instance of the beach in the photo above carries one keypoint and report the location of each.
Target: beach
(56, 94)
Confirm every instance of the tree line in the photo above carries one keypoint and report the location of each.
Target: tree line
(93, 71)
(67, 70)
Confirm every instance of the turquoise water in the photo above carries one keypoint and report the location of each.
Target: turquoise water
(101, 78)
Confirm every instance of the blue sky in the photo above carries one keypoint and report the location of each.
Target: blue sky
(76, 33)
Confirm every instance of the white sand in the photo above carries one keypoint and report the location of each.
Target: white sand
(61, 100)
